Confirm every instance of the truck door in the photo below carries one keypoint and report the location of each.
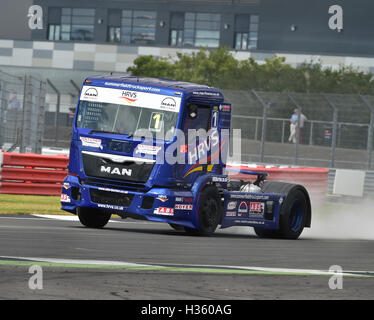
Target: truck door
(199, 139)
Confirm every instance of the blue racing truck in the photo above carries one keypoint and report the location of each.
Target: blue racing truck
(129, 156)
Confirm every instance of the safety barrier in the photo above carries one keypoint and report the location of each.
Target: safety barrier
(315, 180)
(28, 173)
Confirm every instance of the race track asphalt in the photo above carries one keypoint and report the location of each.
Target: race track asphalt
(93, 265)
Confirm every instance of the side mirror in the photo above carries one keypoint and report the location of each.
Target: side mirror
(192, 111)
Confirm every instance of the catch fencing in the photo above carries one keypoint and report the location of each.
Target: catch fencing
(22, 100)
(338, 132)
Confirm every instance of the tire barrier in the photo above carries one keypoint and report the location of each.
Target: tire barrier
(28, 173)
(315, 180)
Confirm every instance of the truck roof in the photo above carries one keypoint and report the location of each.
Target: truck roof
(187, 87)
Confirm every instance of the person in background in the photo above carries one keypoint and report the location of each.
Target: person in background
(14, 103)
(293, 126)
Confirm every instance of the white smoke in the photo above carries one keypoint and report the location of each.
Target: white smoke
(333, 220)
(342, 220)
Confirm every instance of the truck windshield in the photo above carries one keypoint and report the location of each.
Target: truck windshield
(125, 119)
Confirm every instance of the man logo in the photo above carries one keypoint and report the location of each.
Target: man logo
(117, 171)
(91, 93)
(168, 104)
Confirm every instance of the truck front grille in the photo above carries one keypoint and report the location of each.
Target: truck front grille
(99, 166)
(114, 198)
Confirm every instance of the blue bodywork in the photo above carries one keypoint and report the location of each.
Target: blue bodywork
(171, 191)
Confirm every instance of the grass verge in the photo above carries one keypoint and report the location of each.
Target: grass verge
(29, 204)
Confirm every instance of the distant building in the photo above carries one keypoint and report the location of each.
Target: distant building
(106, 36)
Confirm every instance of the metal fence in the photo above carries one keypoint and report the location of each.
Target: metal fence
(21, 113)
(338, 132)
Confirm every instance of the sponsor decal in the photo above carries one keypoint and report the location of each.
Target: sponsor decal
(241, 221)
(66, 185)
(230, 214)
(219, 179)
(164, 211)
(113, 190)
(256, 207)
(131, 86)
(205, 93)
(90, 142)
(109, 206)
(91, 93)
(243, 209)
(183, 206)
(231, 205)
(280, 200)
(162, 198)
(147, 149)
(256, 222)
(65, 198)
(225, 107)
(116, 171)
(129, 96)
(199, 152)
(184, 199)
(168, 104)
(248, 196)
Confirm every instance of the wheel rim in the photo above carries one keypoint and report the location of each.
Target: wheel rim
(296, 216)
(210, 211)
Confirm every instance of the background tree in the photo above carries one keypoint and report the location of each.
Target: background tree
(219, 68)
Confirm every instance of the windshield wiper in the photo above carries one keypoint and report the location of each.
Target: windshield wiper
(99, 131)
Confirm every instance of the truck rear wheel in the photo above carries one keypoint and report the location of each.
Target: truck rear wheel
(93, 218)
(293, 215)
(210, 212)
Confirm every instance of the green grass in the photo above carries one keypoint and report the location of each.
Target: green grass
(29, 204)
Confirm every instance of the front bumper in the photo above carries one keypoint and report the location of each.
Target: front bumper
(157, 204)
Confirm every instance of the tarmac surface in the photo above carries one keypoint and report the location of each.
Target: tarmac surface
(131, 259)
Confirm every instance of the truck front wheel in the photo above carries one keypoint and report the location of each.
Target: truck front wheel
(93, 218)
(210, 212)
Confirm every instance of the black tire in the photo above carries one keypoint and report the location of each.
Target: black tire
(210, 212)
(266, 233)
(292, 221)
(294, 213)
(93, 218)
(176, 227)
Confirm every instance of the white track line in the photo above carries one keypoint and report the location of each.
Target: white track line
(75, 218)
(79, 261)
(57, 217)
(163, 265)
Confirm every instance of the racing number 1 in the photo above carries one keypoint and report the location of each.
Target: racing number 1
(156, 121)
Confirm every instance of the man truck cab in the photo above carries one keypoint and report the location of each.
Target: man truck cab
(156, 149)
